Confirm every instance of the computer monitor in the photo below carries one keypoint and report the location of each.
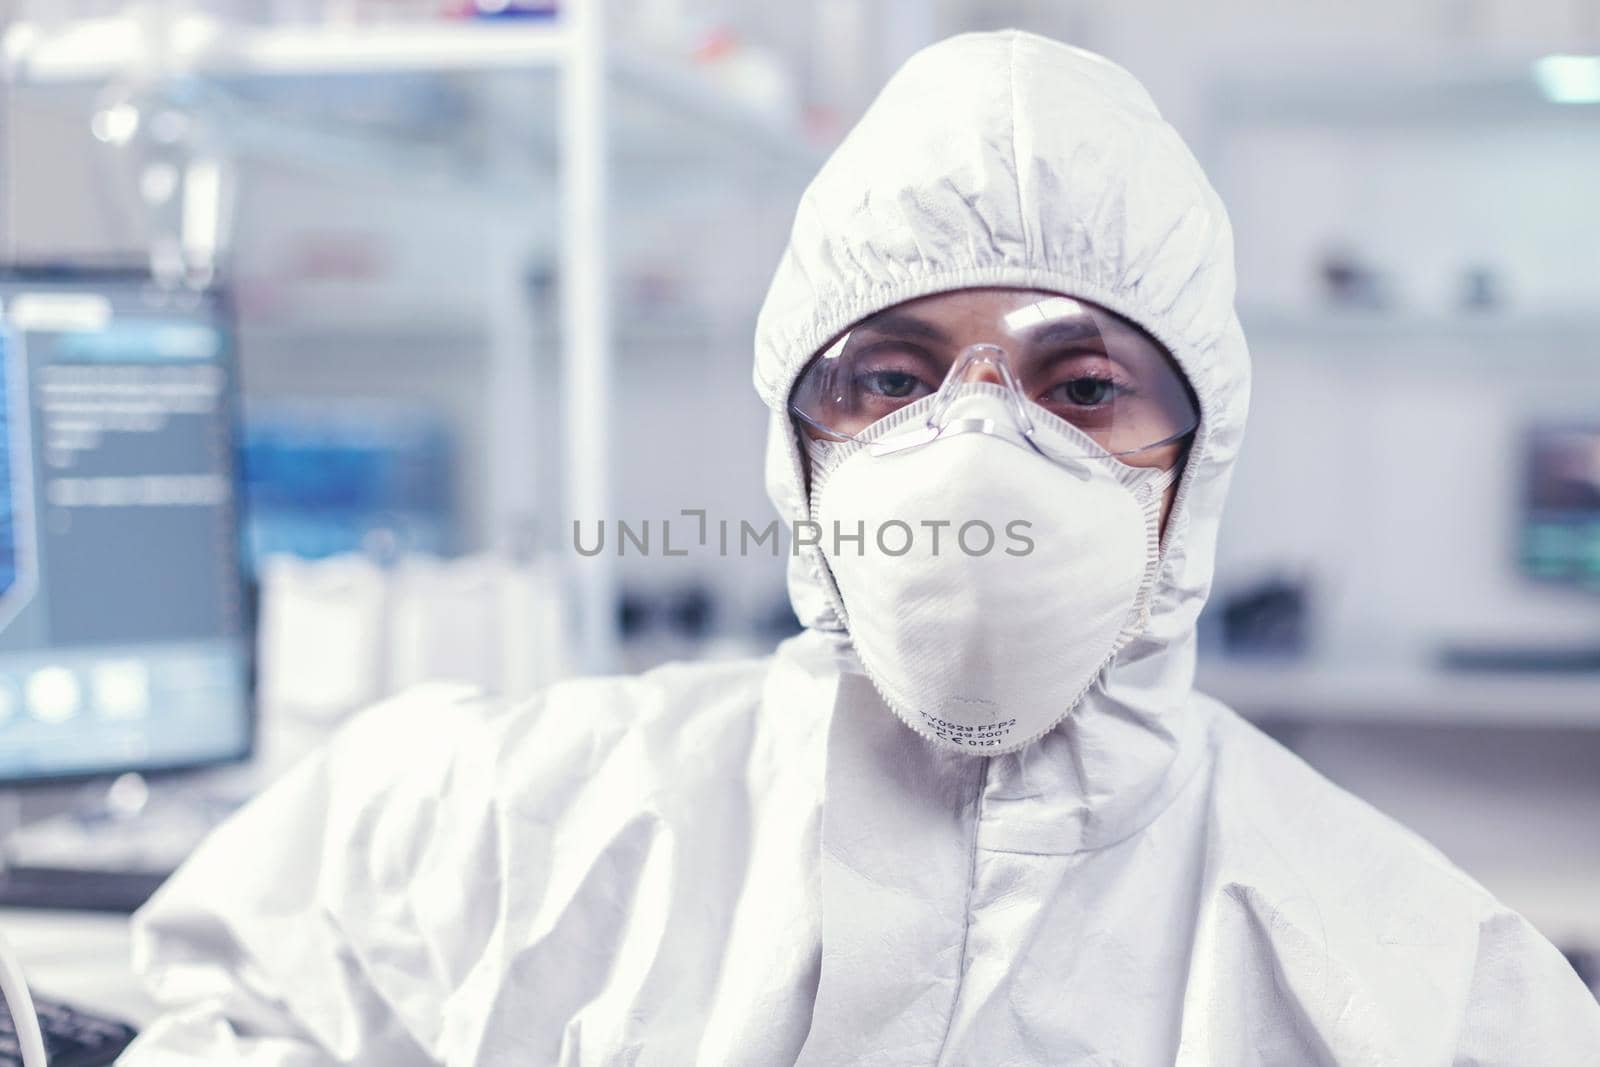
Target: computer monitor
(1560, 538)
(125, 639)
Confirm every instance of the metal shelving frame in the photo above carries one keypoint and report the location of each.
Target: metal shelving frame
(572, 43)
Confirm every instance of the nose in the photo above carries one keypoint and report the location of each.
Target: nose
(984, 371)
(982, 363)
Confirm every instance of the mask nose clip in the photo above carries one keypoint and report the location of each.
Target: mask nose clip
(979, 364)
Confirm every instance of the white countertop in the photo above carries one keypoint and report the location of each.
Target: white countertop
(1354, 692)
(82, 958)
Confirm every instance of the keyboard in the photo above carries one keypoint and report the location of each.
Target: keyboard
(120, 892)
(72, 1038)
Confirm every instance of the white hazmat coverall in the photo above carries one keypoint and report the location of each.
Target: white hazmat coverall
(757, 863)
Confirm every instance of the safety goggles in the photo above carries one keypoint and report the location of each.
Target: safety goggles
(1047, 352)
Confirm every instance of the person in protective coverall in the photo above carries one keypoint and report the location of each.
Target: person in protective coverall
(975, 813)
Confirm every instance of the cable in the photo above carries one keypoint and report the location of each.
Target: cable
(20, 1002)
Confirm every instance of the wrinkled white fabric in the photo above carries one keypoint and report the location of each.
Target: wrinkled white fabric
(756, 863)
(942, 589)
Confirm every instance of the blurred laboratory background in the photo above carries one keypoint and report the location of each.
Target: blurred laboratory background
(323, 320)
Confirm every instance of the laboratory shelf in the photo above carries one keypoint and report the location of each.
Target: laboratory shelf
(390, 48)
(669, 106)
(1400, 91)
(1314, 325)
(1337, 693)
(98, 48)
(1564, 910)
(473, 108)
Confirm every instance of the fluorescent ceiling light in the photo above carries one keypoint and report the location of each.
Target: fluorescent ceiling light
(1569, 79)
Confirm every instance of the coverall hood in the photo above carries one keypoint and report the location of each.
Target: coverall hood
(1008, 159)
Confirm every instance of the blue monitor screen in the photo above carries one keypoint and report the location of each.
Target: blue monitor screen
(1561, 528)
(326, 478)
(124, 636)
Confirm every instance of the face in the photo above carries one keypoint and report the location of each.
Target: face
(1079, 362)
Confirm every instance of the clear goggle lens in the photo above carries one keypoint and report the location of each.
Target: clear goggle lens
(1077, 361)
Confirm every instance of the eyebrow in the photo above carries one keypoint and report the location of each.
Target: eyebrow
(906, 325)
(1077, 328)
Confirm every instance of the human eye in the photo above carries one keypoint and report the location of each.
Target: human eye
(1087, 391)
(893, 374)
(1085, 382)
(892, 384)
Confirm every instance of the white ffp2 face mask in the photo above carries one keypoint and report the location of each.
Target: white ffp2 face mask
(985, 586)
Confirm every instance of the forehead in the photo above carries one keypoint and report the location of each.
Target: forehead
(961, 308)
(1015, 311)
(988, 303)
(968, 316)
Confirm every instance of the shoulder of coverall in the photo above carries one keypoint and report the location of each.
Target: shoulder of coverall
(1408, 891)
